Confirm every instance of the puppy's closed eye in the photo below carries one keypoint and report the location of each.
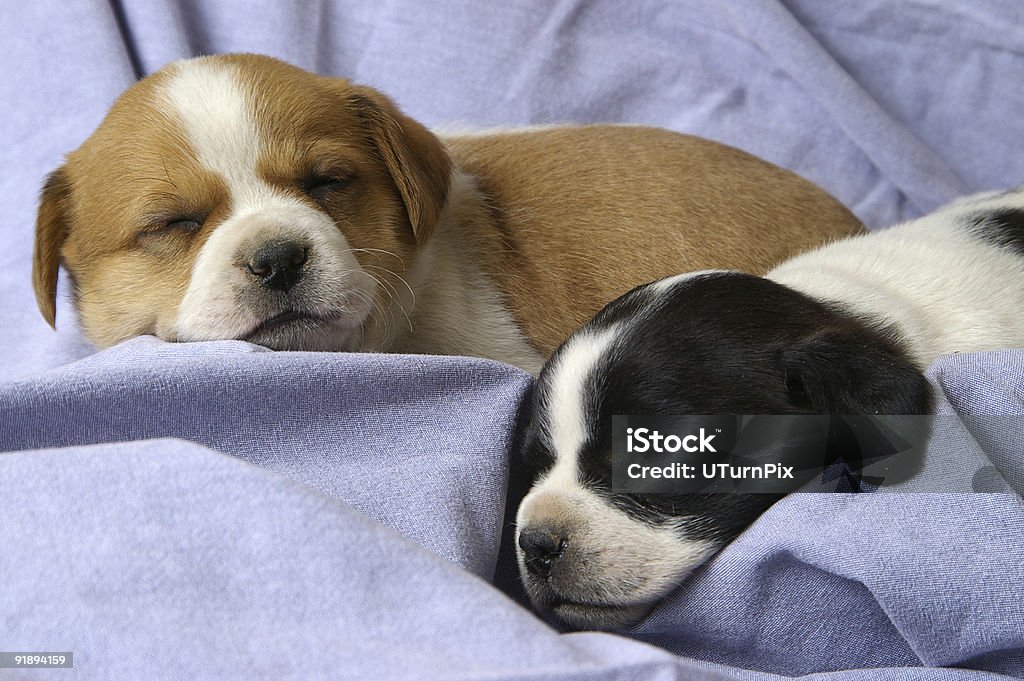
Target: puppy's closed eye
(181, 225)
(322, 187)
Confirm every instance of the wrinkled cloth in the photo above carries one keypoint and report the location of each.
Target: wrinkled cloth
(214, 510)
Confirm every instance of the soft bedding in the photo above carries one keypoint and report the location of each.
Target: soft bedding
(215, 510)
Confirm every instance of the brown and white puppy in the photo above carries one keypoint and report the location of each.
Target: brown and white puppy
(239, 197)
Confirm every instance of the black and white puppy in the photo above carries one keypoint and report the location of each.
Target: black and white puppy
(845, 329)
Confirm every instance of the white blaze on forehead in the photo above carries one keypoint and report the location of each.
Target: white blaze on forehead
(566, 406)
(209, 100)
(619, 560)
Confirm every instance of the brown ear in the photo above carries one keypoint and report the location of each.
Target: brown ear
(51, 231)
(415, 158)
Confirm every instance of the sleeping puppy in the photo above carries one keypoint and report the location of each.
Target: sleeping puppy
(238, 197)
(845, 329)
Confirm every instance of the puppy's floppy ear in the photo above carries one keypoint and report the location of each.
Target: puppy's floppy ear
(854, 371)
(52, 224)
(415, 158)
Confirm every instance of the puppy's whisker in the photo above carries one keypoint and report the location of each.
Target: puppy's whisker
(380, 250)
(364, 250)
(84, 294)
(412, 293)
(163, 162)
(359, 295)
(146, 179)
(380, 310)
(393, 292)
(383, 283)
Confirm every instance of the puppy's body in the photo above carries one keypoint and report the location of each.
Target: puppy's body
(845, 329)
(239, 197)
(950, 282)
(573, 234)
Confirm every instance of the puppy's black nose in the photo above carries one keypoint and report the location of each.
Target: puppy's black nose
(541, 550)
(278, 264)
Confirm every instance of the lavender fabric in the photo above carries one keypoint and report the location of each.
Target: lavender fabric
(215, 510)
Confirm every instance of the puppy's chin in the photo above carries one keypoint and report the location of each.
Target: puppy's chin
(335, 328)
(302, 332)
(591, 616)
(601, 617)
(578, 605)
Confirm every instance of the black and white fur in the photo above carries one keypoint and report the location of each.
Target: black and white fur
(845, 329)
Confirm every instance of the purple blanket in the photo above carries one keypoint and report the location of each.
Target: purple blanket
(215, 510)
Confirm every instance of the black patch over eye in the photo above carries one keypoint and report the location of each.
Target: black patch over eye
(321, 187)
(535, 456)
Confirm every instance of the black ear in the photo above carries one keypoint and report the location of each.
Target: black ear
(854, 371)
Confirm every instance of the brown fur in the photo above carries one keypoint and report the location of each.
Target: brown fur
(566, 219)
(110, 193)
(580, 215)
(401, 169)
